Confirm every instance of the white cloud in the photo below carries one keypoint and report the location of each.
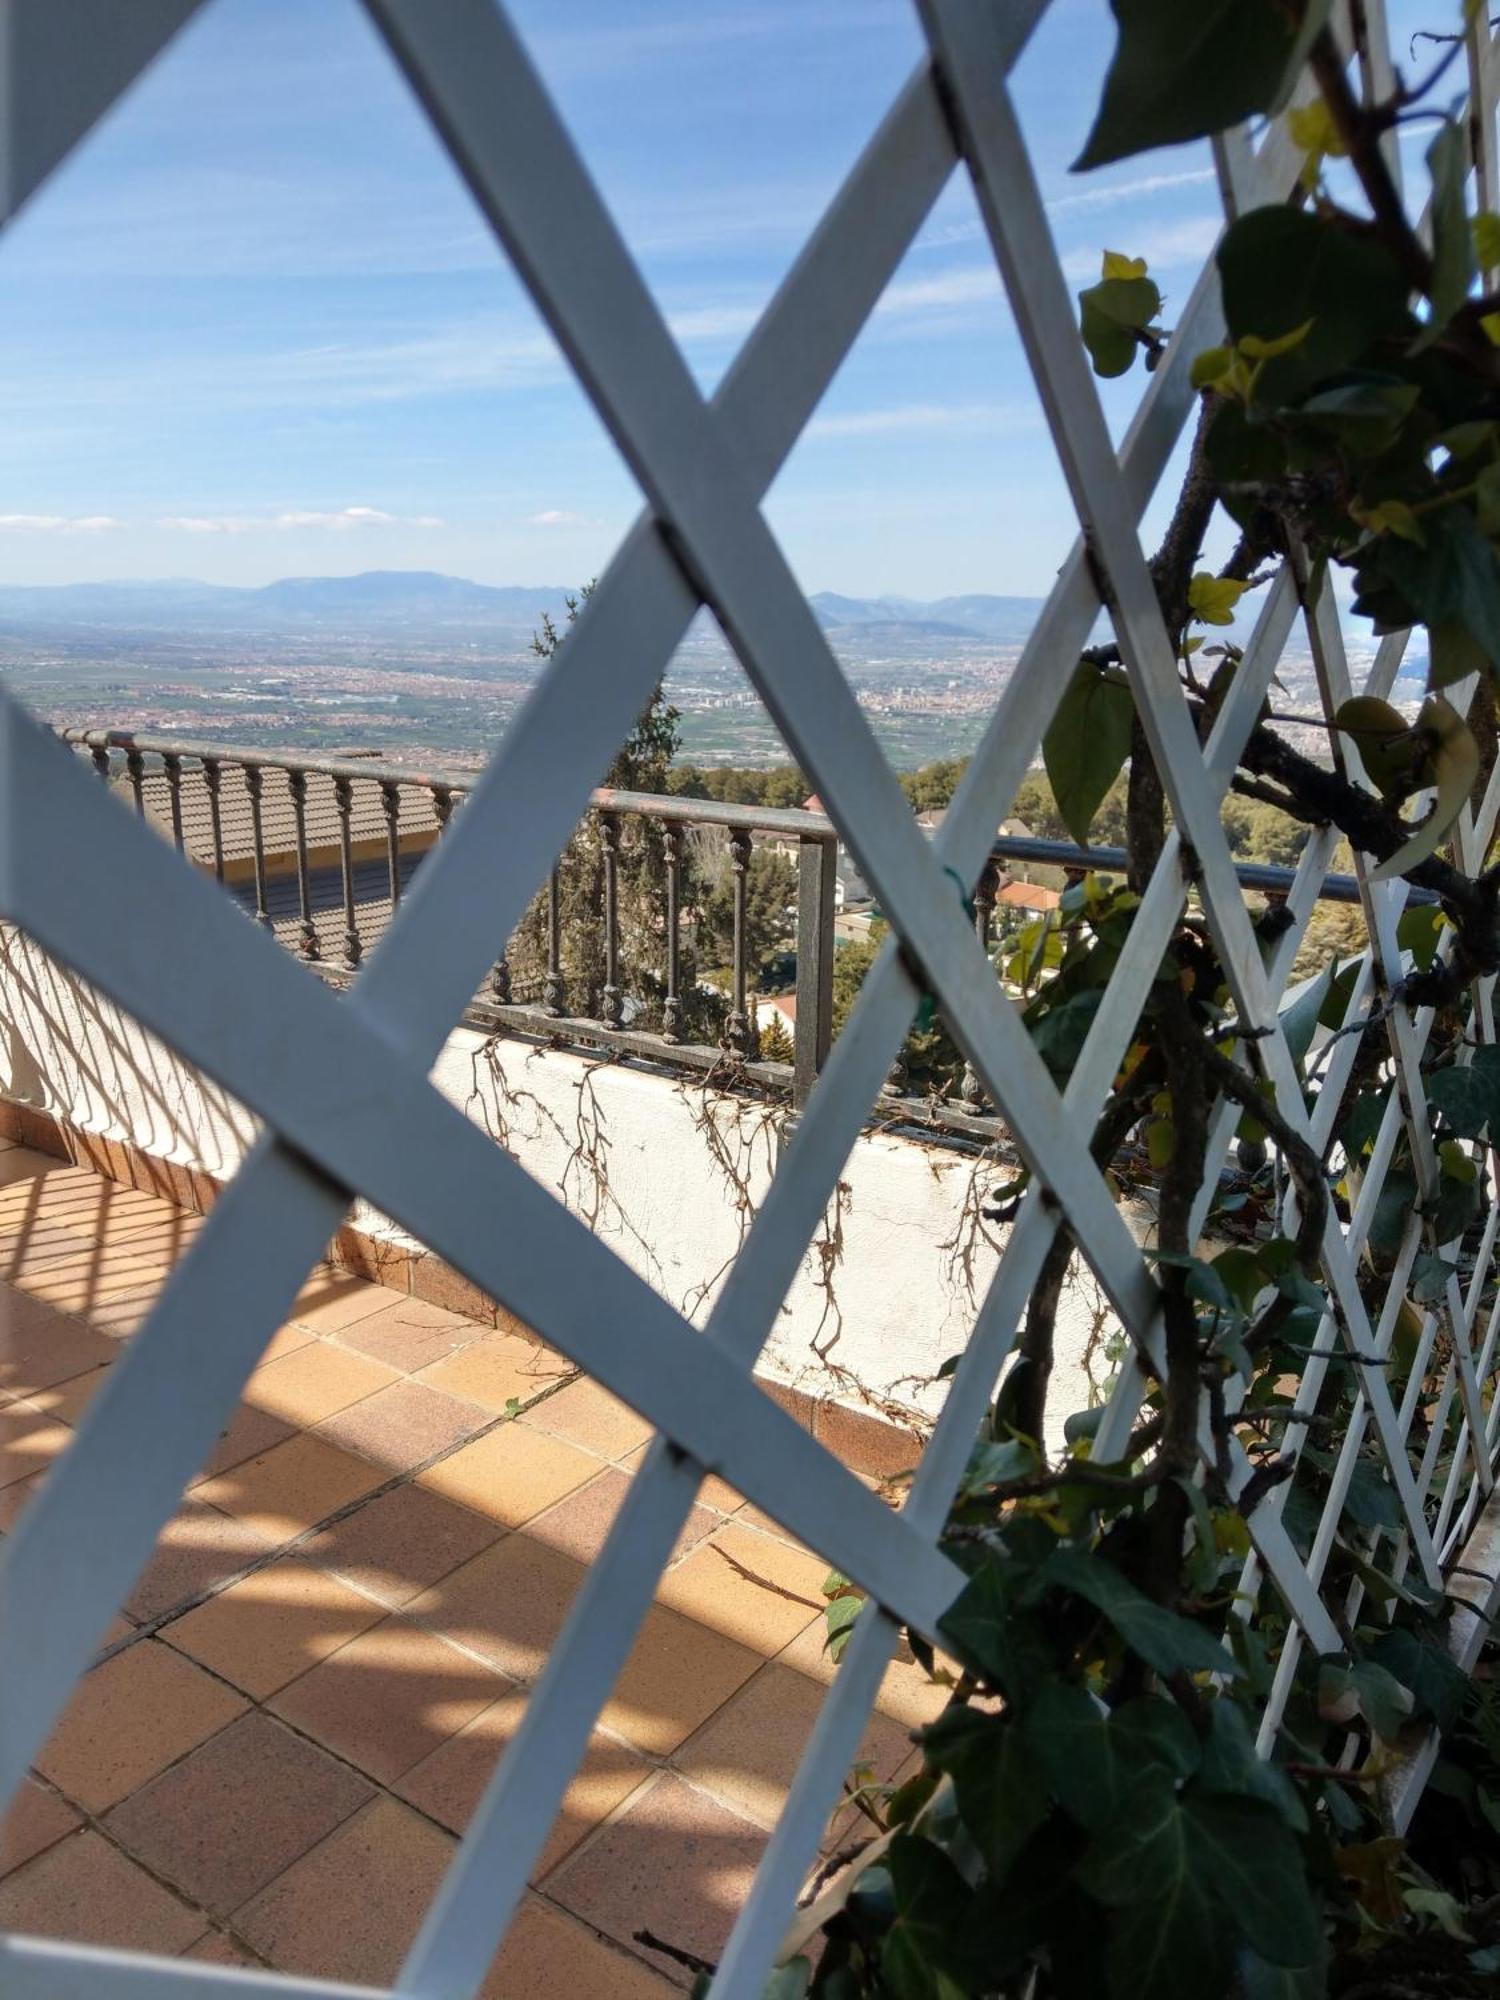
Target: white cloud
(560, 517)
(340, 520)
(921, 417)
(942, 235)
(1107, 196)
(974, 284)
(58, 524)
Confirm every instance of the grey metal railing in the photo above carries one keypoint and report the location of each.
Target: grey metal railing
(321, 849)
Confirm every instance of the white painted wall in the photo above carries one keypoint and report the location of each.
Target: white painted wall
(667, 1172)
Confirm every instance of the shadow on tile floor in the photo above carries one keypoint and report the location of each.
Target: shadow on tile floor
(296, 1711)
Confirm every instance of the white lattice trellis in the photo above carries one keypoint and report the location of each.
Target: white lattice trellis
(342, 1085)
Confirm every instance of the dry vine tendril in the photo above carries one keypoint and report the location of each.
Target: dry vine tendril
(1090, 1815)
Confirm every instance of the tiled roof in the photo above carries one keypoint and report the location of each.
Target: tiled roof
(366, 818)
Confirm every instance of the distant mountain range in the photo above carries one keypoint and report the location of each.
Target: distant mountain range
(393, 599)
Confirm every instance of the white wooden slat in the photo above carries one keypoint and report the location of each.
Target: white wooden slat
(225, 995)
(696, 487)
(63, 64)
(47, 1969)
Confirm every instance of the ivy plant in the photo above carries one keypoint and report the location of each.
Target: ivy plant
(1098, 1809)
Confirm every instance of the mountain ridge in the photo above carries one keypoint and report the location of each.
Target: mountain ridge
(393, 598)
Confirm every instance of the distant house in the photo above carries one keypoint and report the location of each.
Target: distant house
(1033, 896)
(417, 825)
(780, 1007)
(417, 830)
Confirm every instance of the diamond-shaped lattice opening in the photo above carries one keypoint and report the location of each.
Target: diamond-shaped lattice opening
(259, 336)
(690, 127)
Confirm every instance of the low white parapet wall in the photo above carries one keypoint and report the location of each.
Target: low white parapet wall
(668, 1172)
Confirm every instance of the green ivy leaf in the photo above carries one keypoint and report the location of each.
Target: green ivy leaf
(1419, 931)
(1086, 747)
(993, 1464)
(839, 1619)
(1420, 1662)
(1466, 1098)
(1204, 1282)
(1454, 580)
(1163, 1639)
(1452, 244)
(979, 1625)
(1486, 232)
(1060, 1032)
(1231, 1764)
(1093, 1759)
(1366, 1689)
(1299, 1018)
(1260, 1981)
(1189, 1875)
(996, 1780)
(1393, 1211)
(918, 1959)
(1111, 317)
(1183, 74)
(1280, 266)
(1429, 1278)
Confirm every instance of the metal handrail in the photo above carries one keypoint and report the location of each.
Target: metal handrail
(552, 1011)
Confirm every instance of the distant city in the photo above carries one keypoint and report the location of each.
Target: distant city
(426, 667)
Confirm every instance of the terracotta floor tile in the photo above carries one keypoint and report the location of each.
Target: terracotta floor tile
(39, 1347)
(748, 1586)
(68, 1400)
(546, 1953)
(329, 1303)
(248, 1433)
(588, 1415)
(124, 1315)
(27, 1243)
(390, 1697)
(401, 1542)
(81, 1285)
(748, 1752)
(25, 1163)
(129, 1719)
(906, 1693)
(216, 1949)
(350, 1909)
(30, 1440)
(34, 1822)
(499, 1368)
(448, 1783)
(714, 1492)
(410, 1334)
(677, 1674)
(404, 1425)
(510, 1474)
(15, 1498)
(198, 1549)
(236, 1812)
(272, 1626)
(86, 1890)
(315, 1381)
(288, 1339)
(674, 1862)
(292, 1487)
(507, 1605)
(579, 1524)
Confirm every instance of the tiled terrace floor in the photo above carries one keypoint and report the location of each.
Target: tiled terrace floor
(307, 1688)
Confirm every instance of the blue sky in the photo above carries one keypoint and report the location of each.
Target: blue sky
(255, 327)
